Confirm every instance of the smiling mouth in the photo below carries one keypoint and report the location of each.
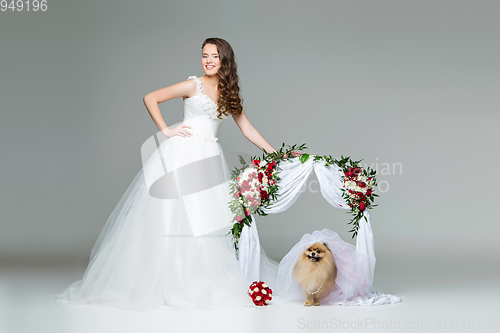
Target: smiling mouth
(210, 67)
(313, 258)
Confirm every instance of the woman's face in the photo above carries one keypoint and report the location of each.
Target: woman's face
(210, 59)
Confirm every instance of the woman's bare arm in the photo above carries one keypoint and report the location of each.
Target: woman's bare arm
(151, 100)
(254, 136)
(251, 133)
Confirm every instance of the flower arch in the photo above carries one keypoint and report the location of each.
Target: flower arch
(343, 184)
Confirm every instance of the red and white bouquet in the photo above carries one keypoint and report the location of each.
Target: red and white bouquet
(254, 184)
(253, 187)
(260, 293)
(358, 190)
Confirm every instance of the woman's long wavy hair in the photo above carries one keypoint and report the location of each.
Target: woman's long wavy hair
(229, 91)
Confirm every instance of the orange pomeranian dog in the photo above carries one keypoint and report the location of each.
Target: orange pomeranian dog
(315, 272)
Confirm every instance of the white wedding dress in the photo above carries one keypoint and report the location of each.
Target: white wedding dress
(165, 245)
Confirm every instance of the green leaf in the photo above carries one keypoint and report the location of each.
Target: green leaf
(304, 157)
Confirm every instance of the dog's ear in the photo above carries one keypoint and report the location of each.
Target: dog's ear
(324, 244)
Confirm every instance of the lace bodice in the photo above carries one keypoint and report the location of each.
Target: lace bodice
(208, 105)
(200, 112)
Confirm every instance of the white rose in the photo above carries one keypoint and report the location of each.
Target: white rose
(264, 292)
(257, 298)
(264, 285)
(267, 301)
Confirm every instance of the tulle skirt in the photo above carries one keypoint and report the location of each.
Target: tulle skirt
(166, 243)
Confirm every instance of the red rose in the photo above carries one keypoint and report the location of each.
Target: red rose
(357, 171)
(256, 162)
(362, 206)
(261, 175)
(369, 193)
(362, 184)
(264, 195)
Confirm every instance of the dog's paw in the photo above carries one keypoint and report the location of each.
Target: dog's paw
(307, 303)
(316, 303)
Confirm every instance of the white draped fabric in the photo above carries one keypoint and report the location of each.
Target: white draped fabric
(255, 265)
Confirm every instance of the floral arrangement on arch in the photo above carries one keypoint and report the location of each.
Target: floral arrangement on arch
(255, 186)
(358, 190)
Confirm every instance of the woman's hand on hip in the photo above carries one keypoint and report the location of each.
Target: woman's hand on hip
(181, 130)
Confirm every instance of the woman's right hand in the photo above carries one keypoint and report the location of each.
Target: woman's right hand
(181, 130)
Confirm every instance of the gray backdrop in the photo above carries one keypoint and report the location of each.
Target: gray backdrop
(410, 86)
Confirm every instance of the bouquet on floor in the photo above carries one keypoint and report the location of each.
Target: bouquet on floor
(260, 293)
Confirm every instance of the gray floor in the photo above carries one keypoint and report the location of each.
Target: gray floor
(439, 294)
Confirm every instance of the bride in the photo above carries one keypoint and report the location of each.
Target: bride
(165, 244)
